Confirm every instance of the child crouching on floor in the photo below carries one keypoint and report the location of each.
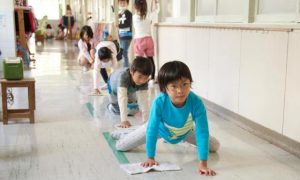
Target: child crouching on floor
(105, 57)
(128, 86)
(176, 114)
(86, 48)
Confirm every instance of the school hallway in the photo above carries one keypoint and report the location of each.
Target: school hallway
(69, 137)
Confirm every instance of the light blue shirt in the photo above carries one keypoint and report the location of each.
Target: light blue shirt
(173, 124)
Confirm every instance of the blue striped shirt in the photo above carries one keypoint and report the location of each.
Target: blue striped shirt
(173, 124)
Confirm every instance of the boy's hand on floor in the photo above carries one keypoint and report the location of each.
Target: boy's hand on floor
(97, 91)
(124, 124)
(149, 162)
(204, 170)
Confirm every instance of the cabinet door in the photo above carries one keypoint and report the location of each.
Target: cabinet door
(291, 125)
(262, 77)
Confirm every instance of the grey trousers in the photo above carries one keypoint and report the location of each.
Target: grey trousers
(138, 137)
(114, 100)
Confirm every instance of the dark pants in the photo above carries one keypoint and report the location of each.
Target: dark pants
(153, 65)
(104, 75)
(124, 44)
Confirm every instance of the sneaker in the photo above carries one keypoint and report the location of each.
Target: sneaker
(116, 135)
(112, 110)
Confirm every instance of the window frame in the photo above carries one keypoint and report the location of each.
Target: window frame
(205, 18)
(277, 18)
(218, 18)
(180, 19)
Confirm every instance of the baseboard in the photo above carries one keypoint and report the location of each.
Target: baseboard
(260, 131)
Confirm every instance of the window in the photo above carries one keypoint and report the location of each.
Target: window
(222, 10)
(277, 10)
(52, 10)
(277, 6)
(176, 10)
(205, 10)
(232, 11)
(226, 7)
(235, 11)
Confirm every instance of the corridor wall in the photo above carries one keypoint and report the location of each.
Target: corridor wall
(253, 72)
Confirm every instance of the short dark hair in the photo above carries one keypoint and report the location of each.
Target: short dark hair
(104, 53)
(172, 71)
(48, 26)
(142, 65)
(124, 0)
(88, 30)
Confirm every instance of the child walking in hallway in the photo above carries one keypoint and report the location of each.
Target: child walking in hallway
(143, 42)
(176, 114)
(125, 29)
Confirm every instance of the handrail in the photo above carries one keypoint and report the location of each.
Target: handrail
(251, 27)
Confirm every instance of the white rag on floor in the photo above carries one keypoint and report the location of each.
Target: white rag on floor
(136, 168)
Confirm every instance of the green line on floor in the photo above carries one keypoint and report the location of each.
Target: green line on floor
(112, 143)
(91, 109)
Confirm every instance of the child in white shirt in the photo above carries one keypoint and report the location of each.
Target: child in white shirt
(105, 57)
(86, 48)
(143, 42)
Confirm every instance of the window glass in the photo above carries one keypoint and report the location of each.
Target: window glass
(277, 6)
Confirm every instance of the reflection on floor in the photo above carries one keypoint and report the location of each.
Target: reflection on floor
(67, 142)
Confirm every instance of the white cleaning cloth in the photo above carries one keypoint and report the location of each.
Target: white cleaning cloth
(136, 168)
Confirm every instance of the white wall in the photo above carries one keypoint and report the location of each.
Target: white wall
(262, 78)
(7, 29)
(292, 96)
(198, 54)
(224, 62)
(253, 73)
(172, 44)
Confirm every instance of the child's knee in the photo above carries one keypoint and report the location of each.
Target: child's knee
(120, 146)
(214, 144)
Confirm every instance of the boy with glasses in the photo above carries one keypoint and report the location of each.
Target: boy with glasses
(176, 114)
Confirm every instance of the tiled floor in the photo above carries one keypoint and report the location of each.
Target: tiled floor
(66, 142)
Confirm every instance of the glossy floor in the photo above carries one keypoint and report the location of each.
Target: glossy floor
(67, 142)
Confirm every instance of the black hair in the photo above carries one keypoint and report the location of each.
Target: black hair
(68, 7)
(172, 71)
(142, 65)
(124, 0)
(60, 26)
(141, 7)
(88, 30)
(104, 53)
(48, 26)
